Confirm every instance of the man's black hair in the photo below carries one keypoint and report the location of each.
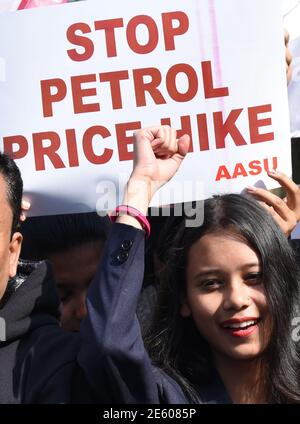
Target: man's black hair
(44, 235)
(14, 187)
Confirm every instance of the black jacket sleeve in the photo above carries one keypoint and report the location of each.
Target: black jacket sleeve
(113, 355)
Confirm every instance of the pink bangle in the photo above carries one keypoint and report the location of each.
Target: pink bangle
(129, 210)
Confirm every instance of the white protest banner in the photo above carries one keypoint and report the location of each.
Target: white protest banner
(81, 77)
(291, 15)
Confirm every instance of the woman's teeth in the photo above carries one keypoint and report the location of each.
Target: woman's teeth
(240, 324)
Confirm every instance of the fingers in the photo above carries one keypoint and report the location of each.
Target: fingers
(177, 151)
(289, 66)
(165, 140)
(165, 143)
(286, 212)
(142, 146)
(288, 57)
(287, 225)
(286, 37)
(284, 181)
(292, 191)
(270, 199)
(162, 141)
(182, 149)
(25, 207)
(22, 217)
(173, 162)
(184, 144)
(283, 215)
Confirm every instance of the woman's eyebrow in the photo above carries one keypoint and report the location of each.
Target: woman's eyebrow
(207, 272)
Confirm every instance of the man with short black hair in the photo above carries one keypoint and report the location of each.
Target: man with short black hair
(38, 359)
(11, 188)
(73, 243)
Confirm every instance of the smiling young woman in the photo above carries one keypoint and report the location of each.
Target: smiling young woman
(226, 334)
(229, 293)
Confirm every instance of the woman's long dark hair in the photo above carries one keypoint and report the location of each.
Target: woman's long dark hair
(174, 343)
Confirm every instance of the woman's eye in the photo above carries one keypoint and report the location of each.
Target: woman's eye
(254, 278)
(211, 284)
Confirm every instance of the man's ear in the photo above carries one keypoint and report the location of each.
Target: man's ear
(185, 310)
(14, 253)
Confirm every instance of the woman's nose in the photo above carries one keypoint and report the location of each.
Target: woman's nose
(236, 296)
